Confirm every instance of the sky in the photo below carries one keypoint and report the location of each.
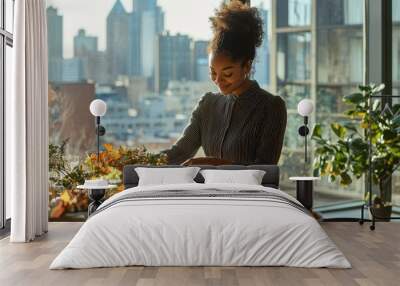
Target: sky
(183, 16)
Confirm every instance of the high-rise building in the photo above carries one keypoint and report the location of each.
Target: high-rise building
(152, 24)
(262, 57)
(117, 40)
(134, 48)
(55, 44)
(84, 44)
(145, 22)
(73, 70)
(173, 59)
(137, 87)
(200, 61)
(142, 5)
(85, 49)
(100, 74)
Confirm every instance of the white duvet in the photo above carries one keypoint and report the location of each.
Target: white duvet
(200, 231)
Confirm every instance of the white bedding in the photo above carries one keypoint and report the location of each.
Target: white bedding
(200, 231)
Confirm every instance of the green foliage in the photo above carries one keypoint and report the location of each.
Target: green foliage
(348, 153)
(339, 130)
(61, 172)
(109, 165)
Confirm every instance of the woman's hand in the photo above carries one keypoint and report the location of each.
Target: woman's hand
(206, 161)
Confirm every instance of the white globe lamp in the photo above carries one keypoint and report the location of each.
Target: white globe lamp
(98, 108)
(305, 107)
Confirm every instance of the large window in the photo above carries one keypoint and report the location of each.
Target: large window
(150, 67)
(396, 46)
(293, 13)
(339, 71)
(317, 53)
(396, 83)
(142, 58)
(6, 43)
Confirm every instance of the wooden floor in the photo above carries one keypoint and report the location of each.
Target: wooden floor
(375, 256)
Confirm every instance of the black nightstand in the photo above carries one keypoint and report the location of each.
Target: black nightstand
(96, 195)
(304, 190)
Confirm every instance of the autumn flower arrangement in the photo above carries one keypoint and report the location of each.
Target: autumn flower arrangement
(65, 175)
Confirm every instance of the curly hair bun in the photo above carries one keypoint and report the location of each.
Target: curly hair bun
(237, 30)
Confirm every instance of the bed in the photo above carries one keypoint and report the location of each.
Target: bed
(198, 224)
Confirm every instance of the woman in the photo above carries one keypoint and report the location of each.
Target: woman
(242, 124)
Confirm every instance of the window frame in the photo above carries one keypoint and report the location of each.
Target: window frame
(377, 46)
(6, 39)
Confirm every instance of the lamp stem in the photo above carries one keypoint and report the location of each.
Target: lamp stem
(305, 148)
(98, 138)
(305, 139)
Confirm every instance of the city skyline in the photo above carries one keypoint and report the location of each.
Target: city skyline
(132, 41)
(76, 19)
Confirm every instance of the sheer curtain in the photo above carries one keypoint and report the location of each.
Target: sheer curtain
(27, 124)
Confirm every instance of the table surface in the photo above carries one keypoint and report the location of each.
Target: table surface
(304, 178)
(83, 187)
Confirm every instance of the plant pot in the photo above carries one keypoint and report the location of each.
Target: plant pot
(382, 213)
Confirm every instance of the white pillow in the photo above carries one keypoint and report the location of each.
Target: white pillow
(248, 177)
(165, 176)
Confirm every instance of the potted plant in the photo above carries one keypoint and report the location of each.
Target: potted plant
(348, 153)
